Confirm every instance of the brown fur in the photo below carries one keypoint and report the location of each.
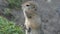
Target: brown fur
(32, 19)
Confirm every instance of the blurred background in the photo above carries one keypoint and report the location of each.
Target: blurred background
(11, 13)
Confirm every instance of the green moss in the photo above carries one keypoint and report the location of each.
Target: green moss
(14, 3)
(8, 27)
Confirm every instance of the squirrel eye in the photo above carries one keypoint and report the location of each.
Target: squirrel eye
(27, 5)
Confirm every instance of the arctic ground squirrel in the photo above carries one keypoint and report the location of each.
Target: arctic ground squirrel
(32, 19)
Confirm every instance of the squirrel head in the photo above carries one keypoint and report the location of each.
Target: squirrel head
(29, 6)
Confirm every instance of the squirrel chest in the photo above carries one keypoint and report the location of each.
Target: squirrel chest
(33, 22)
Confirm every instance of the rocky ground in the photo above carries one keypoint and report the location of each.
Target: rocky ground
(49, 10)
